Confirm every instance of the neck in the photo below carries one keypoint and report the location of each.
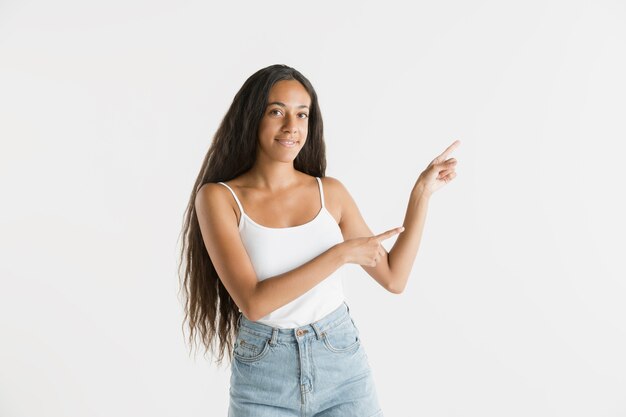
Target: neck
(273, 176)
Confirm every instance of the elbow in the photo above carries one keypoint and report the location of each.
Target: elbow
(250, 314)
(251, 317)
(246, 310)
(251, 310)
(394, 288)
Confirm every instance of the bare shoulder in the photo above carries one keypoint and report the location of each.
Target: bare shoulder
(215, 197)
(335, 186)
(209, 192)
(335, 195)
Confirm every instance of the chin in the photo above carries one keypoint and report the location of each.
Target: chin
(287, 159)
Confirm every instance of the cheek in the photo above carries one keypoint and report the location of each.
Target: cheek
(265, 130)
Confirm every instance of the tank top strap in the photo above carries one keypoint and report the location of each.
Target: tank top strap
(319, 181)
(234, 195)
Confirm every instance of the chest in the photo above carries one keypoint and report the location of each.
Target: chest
(288, 209)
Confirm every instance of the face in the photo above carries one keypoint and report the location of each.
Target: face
(284, 126)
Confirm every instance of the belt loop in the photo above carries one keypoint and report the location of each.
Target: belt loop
(318, 332)
(274, 336)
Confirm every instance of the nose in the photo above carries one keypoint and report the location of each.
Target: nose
(291, 125)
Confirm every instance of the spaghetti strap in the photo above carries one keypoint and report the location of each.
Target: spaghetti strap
(234, 195)
(319, 181)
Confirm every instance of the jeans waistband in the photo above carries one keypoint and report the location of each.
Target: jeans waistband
(315, 329)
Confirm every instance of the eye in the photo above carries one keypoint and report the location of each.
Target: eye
(279, 112)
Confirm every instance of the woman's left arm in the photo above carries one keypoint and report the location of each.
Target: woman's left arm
(439, 172)
(394, 267)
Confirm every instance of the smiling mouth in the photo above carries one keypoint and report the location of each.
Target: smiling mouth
(288, 143)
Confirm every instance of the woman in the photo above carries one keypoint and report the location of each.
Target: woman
(265, 237)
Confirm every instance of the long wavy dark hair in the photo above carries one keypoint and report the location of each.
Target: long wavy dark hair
(210, 311)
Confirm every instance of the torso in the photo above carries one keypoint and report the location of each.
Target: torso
(294, 206)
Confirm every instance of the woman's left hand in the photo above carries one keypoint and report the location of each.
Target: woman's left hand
(439, 172)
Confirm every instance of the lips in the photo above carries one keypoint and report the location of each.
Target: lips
(289, 143)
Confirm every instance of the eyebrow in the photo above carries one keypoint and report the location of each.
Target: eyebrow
(283, 104)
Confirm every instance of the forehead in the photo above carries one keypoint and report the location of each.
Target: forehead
(290, 92)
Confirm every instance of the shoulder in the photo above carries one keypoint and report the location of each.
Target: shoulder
(209, 191)
(212, 195)
(337, 196)
(334, 186)
(215, 206)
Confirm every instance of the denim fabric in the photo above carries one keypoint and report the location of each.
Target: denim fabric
(316, 370)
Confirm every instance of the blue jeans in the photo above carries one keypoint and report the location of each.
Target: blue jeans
(316, 370)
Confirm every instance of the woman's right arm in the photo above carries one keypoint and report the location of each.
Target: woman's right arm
(256, 299)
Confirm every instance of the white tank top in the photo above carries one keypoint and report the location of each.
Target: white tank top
(274, 251)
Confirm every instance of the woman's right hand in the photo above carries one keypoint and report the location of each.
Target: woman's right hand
(367, 251)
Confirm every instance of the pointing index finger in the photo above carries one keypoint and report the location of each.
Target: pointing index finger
(389, 233)
(449, 150)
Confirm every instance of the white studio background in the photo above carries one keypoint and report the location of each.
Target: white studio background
(516, 303)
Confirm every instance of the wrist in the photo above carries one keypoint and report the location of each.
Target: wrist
(340, 253)
(420, 191)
